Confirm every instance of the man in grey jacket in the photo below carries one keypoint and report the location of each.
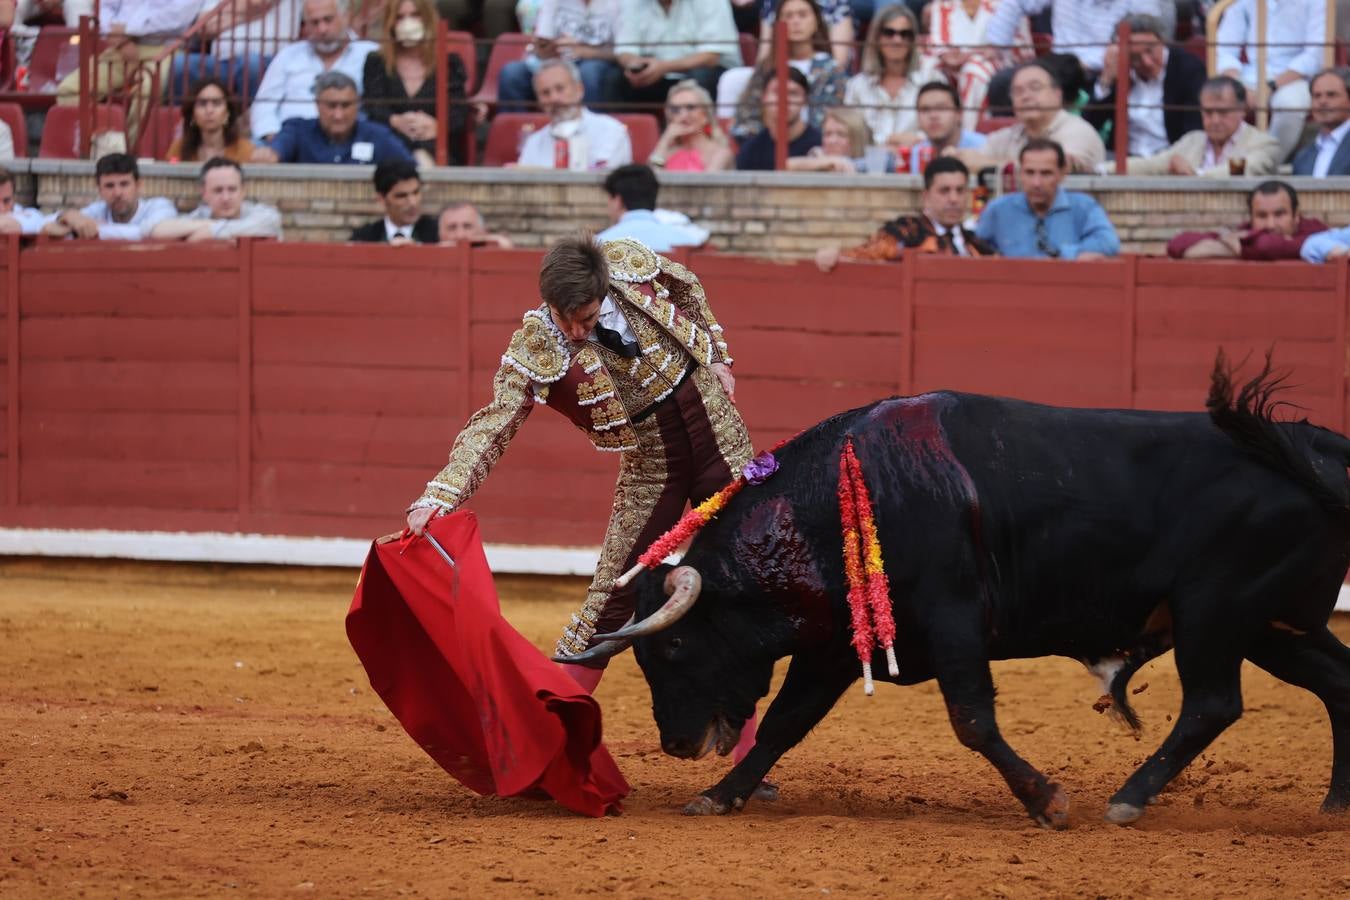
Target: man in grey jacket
(224, 213)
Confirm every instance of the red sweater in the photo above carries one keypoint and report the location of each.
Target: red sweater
(1257, 245)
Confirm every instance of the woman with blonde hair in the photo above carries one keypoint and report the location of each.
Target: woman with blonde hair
(844, 139)
(893, 70)
(400, 81)
(692, 141)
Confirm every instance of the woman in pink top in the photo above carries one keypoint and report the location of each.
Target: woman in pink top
(692, 141)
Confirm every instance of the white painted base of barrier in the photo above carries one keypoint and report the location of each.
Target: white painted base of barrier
(182, 546)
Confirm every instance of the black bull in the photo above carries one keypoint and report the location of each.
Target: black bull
(1011, 530)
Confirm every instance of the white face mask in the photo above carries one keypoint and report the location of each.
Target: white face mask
(409, 31)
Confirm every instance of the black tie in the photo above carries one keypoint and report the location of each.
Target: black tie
(611, 340)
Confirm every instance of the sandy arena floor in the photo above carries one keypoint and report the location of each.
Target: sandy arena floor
(183, 731)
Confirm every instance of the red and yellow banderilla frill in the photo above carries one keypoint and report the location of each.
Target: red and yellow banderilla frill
(869, 590)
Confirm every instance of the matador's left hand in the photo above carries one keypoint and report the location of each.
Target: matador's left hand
(723, 373)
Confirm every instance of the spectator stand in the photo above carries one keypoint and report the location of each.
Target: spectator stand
(1215, 15)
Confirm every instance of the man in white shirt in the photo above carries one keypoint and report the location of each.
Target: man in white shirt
(660, 43)
(287, 89)
(576, 138)
(1329, 153)
(243, 41)
(135, 33)
(119, 214)
(16, 219)
(1296, 32)
(224, 213)
(1080, 28)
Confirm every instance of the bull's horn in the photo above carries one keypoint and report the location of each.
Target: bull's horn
(683, 585)
(602, 650)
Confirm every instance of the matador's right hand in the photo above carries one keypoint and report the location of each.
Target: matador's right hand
(418, 519)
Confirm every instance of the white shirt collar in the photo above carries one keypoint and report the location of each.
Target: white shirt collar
(391, 230)
(1334, 137)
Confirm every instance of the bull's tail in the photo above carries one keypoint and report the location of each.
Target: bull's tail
(1285, 446)
(1150, 647)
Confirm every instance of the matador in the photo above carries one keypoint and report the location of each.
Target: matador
(626, 347)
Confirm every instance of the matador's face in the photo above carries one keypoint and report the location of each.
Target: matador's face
(580, 324)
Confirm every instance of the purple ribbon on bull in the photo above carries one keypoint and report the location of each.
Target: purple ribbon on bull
(758, 470)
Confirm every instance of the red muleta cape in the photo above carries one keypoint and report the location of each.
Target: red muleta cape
(477, 696)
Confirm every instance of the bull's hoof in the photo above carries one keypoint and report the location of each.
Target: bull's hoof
(703, 805)
(1123, 813)
(1055, 813)
(767, 791)
(1336, 806)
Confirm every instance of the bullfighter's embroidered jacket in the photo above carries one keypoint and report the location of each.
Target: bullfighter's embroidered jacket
(599, 390)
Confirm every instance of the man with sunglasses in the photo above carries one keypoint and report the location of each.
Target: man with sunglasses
(1043, 219)
(1224, 145)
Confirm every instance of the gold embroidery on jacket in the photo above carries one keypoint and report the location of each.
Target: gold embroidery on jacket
(642, 476)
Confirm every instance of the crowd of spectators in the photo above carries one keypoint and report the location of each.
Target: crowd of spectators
(919, 92)
(629, 54)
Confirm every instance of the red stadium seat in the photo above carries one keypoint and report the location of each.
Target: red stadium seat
(749, 48)
(503, 140)
(461, 45)
(12, 115)
(7, 59)
(61, 132)
(160, 131)
(994, 123)
(56, 53)
(508, 47)
(643, 131)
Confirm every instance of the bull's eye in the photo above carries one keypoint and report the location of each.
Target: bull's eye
(672, 647)
(675, 643)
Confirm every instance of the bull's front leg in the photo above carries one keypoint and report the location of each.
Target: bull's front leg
(810, 690)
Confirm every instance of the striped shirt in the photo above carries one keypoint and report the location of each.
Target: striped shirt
(1081, 27)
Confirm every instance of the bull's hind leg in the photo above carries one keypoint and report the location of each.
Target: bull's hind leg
(1319, 663)
(968, 688)
(1210, 667)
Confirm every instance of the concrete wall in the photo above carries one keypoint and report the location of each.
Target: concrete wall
(763, 214)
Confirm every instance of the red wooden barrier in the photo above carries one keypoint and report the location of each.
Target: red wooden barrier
(311, 389)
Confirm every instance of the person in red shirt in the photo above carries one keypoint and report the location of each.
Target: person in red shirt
(1275, 230)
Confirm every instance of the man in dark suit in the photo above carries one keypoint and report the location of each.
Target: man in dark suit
(1329, 153)
(399, 189)
(1164, 90)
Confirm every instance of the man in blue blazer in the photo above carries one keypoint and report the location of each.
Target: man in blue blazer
(1329, 152)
